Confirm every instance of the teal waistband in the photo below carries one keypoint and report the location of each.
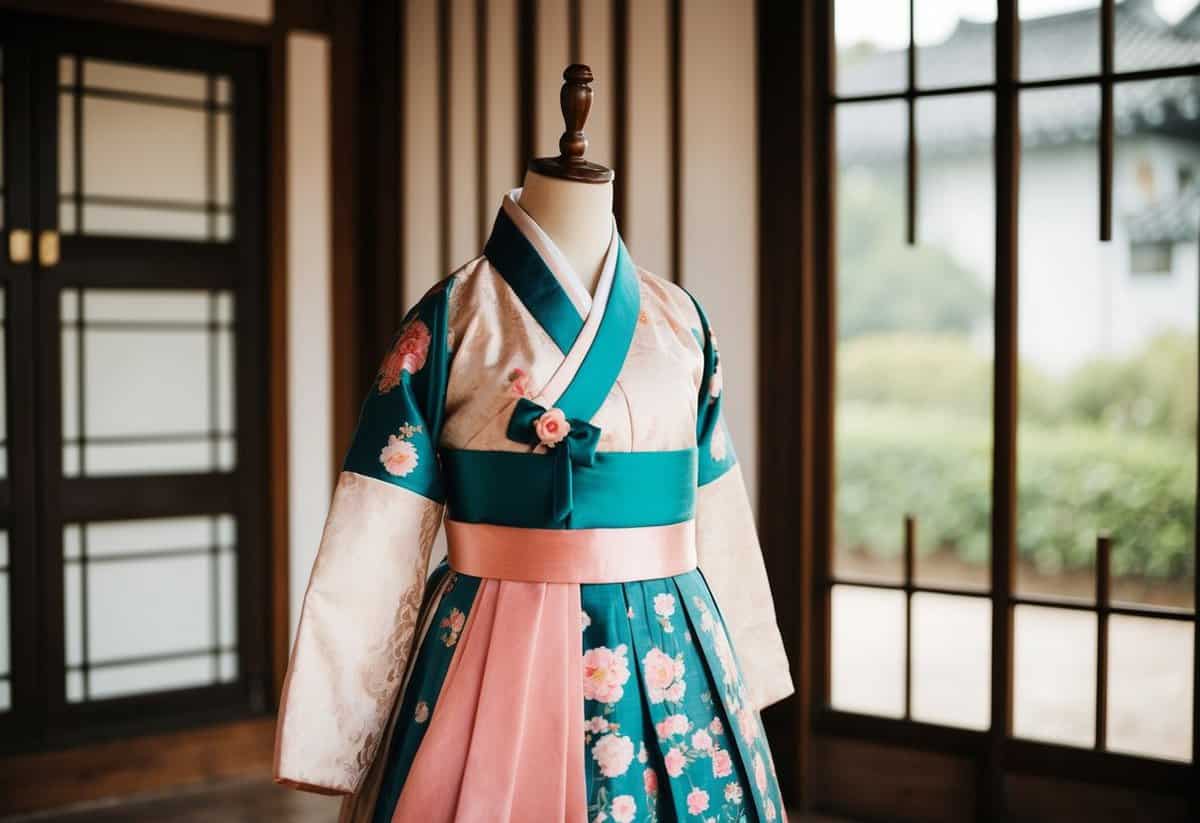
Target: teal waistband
(619, 489)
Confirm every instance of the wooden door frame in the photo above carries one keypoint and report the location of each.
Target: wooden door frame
(29, 782)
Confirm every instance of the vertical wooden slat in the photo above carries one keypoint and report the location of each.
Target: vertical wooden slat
(1107, 14)
(789, 42)
(1004, 418)
(423, 147)
(1103, 603)
(552, 55)
(596, 50)
(620, 129)
(644, 179)
(526, 78)
(446, 139)
(463, 136)
(502, 117)
(482, 199)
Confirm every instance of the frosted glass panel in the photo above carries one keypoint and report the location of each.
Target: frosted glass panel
(144, 607)
(868, 650)
(951, 660)
(1055, 675)
(117, 681)
(145, 151)
(149, 604)
(156, 371)
(102, 74)
(1150, 687)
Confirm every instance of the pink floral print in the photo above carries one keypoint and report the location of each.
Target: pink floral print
(613, 753)
(733, 793)
(650, 781)
(518, 382)
(722, 763)
(454, 622)
(399, 457)
(697, 801)
(624, 807)
(551, 427)
(408, 354)
(605, 672)
(664, 676)
(674, 761)
(718, 444)
(664, 607)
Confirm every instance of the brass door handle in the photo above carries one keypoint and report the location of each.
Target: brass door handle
(20, 245)
(48, 248)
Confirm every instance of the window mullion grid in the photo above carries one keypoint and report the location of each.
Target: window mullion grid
(1107, 15)
(910, 171)
(1006, 157)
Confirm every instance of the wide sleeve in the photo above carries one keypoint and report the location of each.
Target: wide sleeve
(360, 610)
(727, 542)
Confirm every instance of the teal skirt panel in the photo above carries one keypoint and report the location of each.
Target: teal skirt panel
(668, 735)
(619, 490)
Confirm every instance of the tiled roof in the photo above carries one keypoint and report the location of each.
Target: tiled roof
(1053, 46)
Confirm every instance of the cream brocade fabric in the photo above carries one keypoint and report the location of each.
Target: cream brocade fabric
(356, 632)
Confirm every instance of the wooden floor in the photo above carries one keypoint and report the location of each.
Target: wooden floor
(246, 802)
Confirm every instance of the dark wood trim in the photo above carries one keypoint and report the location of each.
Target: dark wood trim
(1107, 56)
(675, 47)
(30, 783)
(147, 17)
(788, 240)
(1005, 409)
(307, 15)
(620, 110)
(350, 379)
(526, 79)
(277, 336)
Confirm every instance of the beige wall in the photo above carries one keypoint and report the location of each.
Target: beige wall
(719, 211)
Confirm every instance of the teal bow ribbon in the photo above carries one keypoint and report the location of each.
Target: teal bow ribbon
(577, 448)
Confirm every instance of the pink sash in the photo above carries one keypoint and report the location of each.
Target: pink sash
(571, 555)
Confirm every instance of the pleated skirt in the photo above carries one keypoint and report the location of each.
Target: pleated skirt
(580, 703)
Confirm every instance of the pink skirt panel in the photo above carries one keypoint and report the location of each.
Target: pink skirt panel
(518, 754)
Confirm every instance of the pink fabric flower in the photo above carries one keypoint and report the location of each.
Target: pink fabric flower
(679, 723)
(674, 692)
(650, 781)
(760, 773)
(408, 354)
(551, 427)
(623, 808)
(613, 753)
(701, 741)
(605, 672)
(674, 761)
(697, 801)
(597, 724)
(399, 457)
(519, 382)
(661, 673)
(771, 814)
(664, 605)
(733, 792)
(722, 763)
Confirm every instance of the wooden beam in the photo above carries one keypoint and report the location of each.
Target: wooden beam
(147, 17)
(30, 783)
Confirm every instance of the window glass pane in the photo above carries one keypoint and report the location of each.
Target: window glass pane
(872, 44)
(914, 341)
(951, 662)
(1155, 34)
(155, 156)
(955, 41)
(157, 381)
(137, 678)
(1150, 687)
(128, 77)
(148, 600)
(1108, 351)
(868, 650)
(1054, 677)
(1059, 38)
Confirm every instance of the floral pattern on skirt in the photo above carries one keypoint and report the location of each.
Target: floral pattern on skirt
(669, 734)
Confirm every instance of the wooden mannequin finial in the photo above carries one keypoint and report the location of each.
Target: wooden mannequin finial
(576, 101)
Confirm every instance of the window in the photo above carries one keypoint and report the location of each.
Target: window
(1012, 563)
(132, 566)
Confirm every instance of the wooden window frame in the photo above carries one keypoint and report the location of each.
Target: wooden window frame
(798, 309)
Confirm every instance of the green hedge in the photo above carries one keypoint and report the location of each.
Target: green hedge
(1074, 480)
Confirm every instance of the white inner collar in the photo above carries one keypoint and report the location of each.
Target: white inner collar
(556, 261)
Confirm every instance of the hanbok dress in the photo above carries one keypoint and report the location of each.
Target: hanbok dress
(600, 639)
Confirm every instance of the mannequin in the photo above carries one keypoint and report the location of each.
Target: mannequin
(576, 215)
